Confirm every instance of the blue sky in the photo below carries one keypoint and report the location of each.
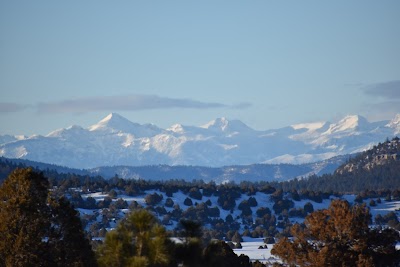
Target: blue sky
(267, 63)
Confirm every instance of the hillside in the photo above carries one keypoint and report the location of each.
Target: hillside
(116, 141)
(375, 169)
(380, 155)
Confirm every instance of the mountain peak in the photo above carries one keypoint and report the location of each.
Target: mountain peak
(224, 125)
(114, 123)
(311, 126)
(73, 129)
(218, 123)
(350, 122)
(111, 121)
(113, 118)
(177, 128)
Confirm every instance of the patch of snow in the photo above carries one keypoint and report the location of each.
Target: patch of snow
(309, 126)
(395, 124)
(228, 147)
(348, 123)
(177, 128)
(301, 158)
(250, 247)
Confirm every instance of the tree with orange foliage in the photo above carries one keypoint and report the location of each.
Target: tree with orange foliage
(339, 236)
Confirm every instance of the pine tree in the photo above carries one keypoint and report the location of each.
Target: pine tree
(116, 250)
(137, 241)
(23, 219)
(66, 238)
(189, 253)
(219, 254)
(37, 231)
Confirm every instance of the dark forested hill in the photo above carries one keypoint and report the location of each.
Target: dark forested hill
(374, 169)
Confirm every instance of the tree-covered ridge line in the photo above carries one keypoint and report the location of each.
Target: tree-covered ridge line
(381, 154)
(372, 170)
(237, 173)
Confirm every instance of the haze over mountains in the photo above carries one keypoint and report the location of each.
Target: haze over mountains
(117, 141)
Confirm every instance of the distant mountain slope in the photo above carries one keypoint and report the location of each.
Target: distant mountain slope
(238, 173)
(116, 141)
(8, 165)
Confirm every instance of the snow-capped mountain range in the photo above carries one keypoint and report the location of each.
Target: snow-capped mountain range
(117, 141)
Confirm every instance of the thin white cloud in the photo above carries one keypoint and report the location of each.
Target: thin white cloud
(242, 105)
(8, 107)
(382, 111)
(127, 102)
(389, 90)
(386, 102)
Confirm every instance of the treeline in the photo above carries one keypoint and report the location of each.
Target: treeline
(385, 177)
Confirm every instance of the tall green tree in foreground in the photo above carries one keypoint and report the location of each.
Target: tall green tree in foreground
(137, 241)
(23, 219)
(37, 231)
(189, 253)
(66, 239)
(339, 236)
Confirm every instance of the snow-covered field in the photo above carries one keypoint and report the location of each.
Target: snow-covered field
(250, 246)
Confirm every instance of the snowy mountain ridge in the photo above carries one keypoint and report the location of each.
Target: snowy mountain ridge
(115, 141)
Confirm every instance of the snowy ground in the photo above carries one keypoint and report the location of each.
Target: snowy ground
(250, 247)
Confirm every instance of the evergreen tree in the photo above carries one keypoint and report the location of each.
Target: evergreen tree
(219, 254)
(116, 250)
(189, 253)
(67, 239)
(23, 219)
(137, 241)
(36, 230)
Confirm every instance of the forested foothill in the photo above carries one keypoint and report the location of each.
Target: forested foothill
(374, 169)
(77, 220)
